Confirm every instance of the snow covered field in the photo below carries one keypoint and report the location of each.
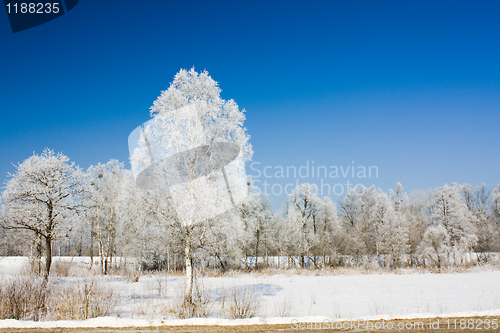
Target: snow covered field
(409, 294)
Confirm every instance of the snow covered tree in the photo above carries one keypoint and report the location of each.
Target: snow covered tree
(418, 220)
(350, 215)
(494, 220)
(257, 218)
(221, 120)
(399, 198)
(44, 196)
(302, 210)
(175, 129)
(476, 200)
(495, 203)
(107, 182)
(221, 238)
(145, 229)
(329, 230)
(451, 212)
(435, 244)
(393, 237)
(375, 224)
(370, 205)
(393, 228)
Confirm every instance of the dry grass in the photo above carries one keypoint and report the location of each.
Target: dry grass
(61, 268)
(284, 307)
(31, 298)
(23, 298)
(333, 271)
(200, 307)
(81, 300)
(239, 303)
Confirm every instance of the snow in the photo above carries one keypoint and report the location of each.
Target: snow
(355, 295)
(13, 265)
(126, 322)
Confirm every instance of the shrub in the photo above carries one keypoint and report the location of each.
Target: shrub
(241, 303)
(200, 307)
(82, 300)
(23, 298)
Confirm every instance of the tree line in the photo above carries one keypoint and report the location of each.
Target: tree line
(50, 206)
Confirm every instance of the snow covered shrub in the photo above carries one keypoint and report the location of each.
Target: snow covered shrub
(199, 307)
(82, 300)
(241, 303)
(435, 245)
(23, 298)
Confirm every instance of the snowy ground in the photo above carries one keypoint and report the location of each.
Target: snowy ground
(410, 294)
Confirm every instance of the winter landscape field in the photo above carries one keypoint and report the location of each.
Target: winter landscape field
(185, 237)
(269, 296)
(266, 166)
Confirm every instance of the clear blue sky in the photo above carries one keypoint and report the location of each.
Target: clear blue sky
(412, 87)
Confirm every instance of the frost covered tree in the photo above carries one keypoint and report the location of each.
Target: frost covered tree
(476, 200)
(44, 197)
(350, 215)
(399, 198)
(107, 181)
(302, 210)
(220, 238)
(494, 219)
(15, 242)
(222, 120)
(450, 211)
(435, 244)
(217, 120)
(329, 230)
(257, 218)
(146, 231)
(393, 228)
(495, 203)
(418, 218)
(374, 223)
(362, 212)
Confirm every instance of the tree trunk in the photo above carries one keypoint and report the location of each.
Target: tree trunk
(39, 250)
(48, 256)
(101, 255)
(257, 249)
(188, 290)
(92, 236)
(48, 243)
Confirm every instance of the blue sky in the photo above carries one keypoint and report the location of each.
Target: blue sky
(412, 87)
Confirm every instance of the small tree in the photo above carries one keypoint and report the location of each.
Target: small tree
(418, 219)
(329, 229)
(257, 217)
(302, 216)
(435, 244)
(106, 181)
(451, 212)
(44, 197)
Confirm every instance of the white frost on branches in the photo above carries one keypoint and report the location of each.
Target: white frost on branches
(222, 120)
